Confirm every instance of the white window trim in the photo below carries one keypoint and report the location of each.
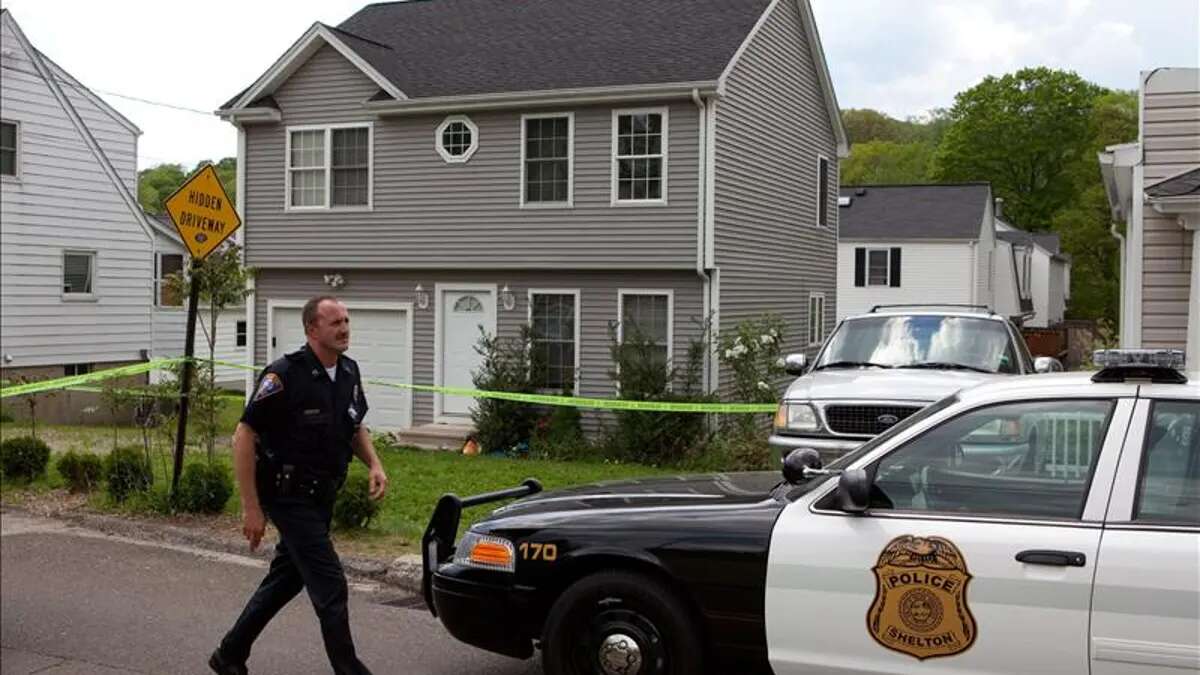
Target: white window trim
(441, 150)
(62, 270)
(578, 316)
(158, 282)
(867, 268)
(328, 130)
(570, 203)
(670, 293)
(817, 221)
(820, 337)
(614, 183)
(16, 177)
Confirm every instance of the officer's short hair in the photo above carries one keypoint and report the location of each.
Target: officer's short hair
(309, 314)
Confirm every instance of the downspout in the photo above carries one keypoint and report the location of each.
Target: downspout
(1120, 281)
(974, 269)
(701, 221)
(250, 299)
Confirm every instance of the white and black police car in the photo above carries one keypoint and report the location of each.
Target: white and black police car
(1048, 524)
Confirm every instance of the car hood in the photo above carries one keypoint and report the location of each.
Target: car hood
(709, 490)
(880, 384)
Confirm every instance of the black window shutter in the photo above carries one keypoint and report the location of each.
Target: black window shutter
(895, 268)
(860, 267)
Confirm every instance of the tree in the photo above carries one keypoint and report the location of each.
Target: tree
(160, 181)
(887, 162)
(1026, 133)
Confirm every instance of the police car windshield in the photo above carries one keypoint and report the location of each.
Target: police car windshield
(922, 341)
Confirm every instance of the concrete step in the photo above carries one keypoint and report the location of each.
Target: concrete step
(434, 436)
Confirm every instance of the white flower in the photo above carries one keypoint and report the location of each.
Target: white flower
(729, 353)
(764, 386)
(766, 339)
(780, 362)
(774, 333)
(738, 340)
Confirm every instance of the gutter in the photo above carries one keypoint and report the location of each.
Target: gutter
(544, 97)
(701, 223)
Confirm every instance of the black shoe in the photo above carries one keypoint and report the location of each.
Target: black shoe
(223, 667)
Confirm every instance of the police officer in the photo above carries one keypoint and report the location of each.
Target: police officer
(291, 451)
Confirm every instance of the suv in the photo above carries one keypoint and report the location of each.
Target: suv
(878, 368)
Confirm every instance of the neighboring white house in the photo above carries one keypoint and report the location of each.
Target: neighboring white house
(1153, 187)
(916, 244)
(1041, 271)
(78, 257)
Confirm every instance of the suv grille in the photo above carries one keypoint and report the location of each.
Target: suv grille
(867, 420)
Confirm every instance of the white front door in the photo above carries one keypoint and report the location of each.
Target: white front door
(973, 558)
(465, 313)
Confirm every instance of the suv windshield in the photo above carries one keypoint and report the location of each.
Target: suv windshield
(922, 341)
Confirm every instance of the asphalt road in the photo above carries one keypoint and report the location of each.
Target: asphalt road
(74, 601)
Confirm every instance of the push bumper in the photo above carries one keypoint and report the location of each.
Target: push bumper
(830, 448)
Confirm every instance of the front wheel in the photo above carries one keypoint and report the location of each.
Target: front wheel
(620, 623)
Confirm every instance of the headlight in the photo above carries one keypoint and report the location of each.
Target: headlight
(793, 416)
(486, 552)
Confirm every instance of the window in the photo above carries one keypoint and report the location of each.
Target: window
(457, 139)
(78, 270)
(468, 304)
(877, 267)
(329, 166)
(547, 159)
(1025, 459)
(73, 369)
(241, 334)
(822, 191)
(168, 264)
(1169, 487)
(925, 341)
(554, 320)
(640, 155)
(646, 321)
(816, 318)
(8, 149)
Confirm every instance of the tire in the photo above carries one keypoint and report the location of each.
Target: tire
(607, 605)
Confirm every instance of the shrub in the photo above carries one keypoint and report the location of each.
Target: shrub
(6, 416)
(354, 507)
(558, 434)
(127, 471)
(24, 458)
(502, 425)
(203, 488)
(82, 471)
(753, 352)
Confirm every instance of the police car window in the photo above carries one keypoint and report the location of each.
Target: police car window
(1030, 459)
(1169, 488)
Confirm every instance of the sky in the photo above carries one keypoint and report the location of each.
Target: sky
(903, 57)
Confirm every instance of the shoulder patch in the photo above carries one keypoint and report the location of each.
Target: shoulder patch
(270, 384)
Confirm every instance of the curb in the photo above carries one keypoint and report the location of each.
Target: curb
(404, 572)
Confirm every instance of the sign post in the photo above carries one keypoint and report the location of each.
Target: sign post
(205, 218)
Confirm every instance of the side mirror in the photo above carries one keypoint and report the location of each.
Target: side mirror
(854, 491)
(797, 461)
(795, 364)
(1047, 364)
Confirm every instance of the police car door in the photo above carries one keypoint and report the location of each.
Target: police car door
(1146, 607)
(976, 556)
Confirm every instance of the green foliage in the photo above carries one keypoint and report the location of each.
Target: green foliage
(81, 471)
(159, 182)
(203, 488)
(127, 472)
(887, 163)
(354, 509)
(24, 458)
(5, 416)
(864, 125)
(735, 449)
(558, 434)
(501, 425)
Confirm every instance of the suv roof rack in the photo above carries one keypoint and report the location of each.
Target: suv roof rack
(1158, 366)
(931, 305)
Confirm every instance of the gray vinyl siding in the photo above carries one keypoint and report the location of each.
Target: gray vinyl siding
(63, 200)
(430, 214)
(1171, 145)
(771, 126)
(598, 309)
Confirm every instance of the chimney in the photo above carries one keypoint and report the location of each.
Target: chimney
(999, 209)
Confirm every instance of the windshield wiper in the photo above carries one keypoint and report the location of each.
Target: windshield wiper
(947, 365)
(852, 364)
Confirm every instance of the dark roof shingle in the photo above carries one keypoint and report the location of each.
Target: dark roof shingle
(894, 212)
(1185, 184)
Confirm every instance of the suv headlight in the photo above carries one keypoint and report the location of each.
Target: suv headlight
(793, 416)
(486, 552)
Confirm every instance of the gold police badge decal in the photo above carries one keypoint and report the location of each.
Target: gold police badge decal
(920, 606)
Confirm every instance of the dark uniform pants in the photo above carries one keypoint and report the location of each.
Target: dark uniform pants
(304, 558)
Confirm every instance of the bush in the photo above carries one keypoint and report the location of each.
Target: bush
(502, 425)
(82, 471)
(6, 417)
(203, 488)
(127, 471)
(558, 434)
(738, 451)
(24, 458)
(354, 507)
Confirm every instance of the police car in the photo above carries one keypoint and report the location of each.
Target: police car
(1048, 524)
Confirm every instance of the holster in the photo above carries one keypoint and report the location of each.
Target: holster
(281, 481)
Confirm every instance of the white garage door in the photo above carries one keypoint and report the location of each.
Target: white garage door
(379, 342)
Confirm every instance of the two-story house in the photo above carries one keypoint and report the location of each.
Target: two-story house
(1153, 187)
(582, 166)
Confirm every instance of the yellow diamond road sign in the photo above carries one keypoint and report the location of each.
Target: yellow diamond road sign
(203, 213)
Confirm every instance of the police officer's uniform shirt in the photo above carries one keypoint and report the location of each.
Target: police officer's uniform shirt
(305, 417)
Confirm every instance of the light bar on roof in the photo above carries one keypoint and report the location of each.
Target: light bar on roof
(1138, 358)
